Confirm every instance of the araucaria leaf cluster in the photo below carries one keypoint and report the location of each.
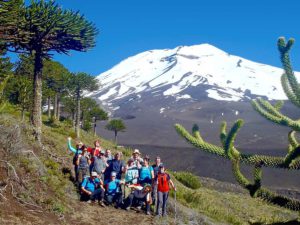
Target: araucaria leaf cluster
(271, 112)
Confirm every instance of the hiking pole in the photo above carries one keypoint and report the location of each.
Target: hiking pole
(175, 207)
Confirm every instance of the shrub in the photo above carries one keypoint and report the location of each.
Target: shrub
(188, 179)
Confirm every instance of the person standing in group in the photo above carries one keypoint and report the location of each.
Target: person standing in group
(76, 152)
(131, 176)
(83, 162)
(154, 184)
(163, 187)
(116, 165)
(108, 156)
(137, 159)
(100, 165)
(146, 174)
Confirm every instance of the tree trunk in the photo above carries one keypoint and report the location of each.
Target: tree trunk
(36, 119)
(58, 107)
(95, 125)
(77, 126)
(23, 114)
(116, 139)
(74, 119)
(49, 107)
(55, 106)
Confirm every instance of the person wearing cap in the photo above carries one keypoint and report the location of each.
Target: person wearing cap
(113, 192)
(83, 162)
(136, 157)
(146, 174)
(155, 167)
(139, 196)
(163, 186)
(92, 189)
(76, 150)
(99, 164)
(116, 165)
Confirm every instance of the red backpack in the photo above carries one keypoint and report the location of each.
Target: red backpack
(163, 182)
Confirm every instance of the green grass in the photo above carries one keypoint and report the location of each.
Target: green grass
(56, 190)
(231, 208)
(188, 179)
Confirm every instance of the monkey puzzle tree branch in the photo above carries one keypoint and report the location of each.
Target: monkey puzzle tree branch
(251, 159)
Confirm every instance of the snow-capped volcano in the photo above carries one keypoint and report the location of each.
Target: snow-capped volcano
(173, 72)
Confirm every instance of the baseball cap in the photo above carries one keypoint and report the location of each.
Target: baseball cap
(94, 174)
(113, 174)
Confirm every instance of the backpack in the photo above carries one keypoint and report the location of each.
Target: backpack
(75, 159)
(163, 182)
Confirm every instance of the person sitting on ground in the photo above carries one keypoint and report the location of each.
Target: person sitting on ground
(131, 176)
(100, 164)
(92, 189)
(83, 162)
(154, 183)
(113, 192)
(137, 159)
(146, 174)
(116, 165)
(76, 150)
(163, 186)
(139, 196)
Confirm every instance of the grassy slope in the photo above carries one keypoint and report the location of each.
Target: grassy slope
(57, 195)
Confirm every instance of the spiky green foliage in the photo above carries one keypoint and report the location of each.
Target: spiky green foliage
(271, 112)
(81, 82)
(116, 125)
(39, 29)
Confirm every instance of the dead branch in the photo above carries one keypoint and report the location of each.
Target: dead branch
(13, 169)
(21, 200)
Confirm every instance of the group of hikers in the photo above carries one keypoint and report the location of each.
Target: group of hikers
(105, 178)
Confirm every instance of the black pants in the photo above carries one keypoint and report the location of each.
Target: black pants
(133, 201)
(117, 198)
(98, 194)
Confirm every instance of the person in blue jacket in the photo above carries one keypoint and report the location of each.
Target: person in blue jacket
(113, 192)
(92, 188)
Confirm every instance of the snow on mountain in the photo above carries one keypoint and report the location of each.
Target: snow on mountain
(171, 72)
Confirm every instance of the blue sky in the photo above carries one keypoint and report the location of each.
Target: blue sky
(245, 28)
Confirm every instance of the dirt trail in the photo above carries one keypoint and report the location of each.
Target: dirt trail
(13, 213)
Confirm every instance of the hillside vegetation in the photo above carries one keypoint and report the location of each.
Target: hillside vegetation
(36, 186)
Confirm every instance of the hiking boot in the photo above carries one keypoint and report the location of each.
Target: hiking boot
(89, 201)
(148, 213)
(101, 204)
(127, 208)
(139, 207)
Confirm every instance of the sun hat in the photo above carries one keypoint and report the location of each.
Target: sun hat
(136, 151)
(94, 174)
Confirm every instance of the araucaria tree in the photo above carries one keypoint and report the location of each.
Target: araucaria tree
(116, 125)
(79, 83)
(39, 29)
(271, 112)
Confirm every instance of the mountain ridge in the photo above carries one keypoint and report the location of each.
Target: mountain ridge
(172, 72)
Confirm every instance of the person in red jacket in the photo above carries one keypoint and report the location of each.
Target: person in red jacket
(164, 182)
